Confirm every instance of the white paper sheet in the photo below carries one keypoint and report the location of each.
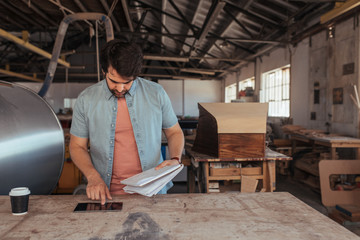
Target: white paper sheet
(150, 182)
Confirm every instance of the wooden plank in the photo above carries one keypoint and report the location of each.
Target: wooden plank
(206, 176)
(238, 117)
(235, 171)
(272, 175)
(260, 216)
(225, 171)
(201, 157)
(248, 184)
(242, 145)
(227, 178)
(266, 179)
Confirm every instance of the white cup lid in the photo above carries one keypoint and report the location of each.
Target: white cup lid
(20, 191)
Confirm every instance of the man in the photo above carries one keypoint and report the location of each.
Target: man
(121, 118)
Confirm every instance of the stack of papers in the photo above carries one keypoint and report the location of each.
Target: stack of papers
(150, 182)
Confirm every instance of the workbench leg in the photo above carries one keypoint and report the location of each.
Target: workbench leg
(266, 177)
(272, 175)
(333, 153)
(191, 179)
(206, 176)
(293, 146)
(358, 153)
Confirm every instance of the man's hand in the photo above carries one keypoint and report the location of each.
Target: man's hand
(97, 189)
(166, 163)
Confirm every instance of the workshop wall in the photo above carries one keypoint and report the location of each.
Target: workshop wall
(333, 73)
(57, 92)
(299, 84)
(323, 72)
(186, 94)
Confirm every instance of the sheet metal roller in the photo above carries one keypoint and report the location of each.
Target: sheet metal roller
(31, 141)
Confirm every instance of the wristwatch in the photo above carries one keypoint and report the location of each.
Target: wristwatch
(176, 158)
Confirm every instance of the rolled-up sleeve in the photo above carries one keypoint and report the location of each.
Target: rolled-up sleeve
(169, 118)
(79, 125)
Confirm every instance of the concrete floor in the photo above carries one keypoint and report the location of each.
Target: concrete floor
(287, 184)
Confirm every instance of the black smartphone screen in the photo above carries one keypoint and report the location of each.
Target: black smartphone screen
(88, 207)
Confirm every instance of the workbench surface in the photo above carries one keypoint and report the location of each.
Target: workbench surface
(174, 216)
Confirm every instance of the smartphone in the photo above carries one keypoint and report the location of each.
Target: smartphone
(91, 207)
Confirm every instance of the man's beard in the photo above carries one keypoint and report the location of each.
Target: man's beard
(118, 94)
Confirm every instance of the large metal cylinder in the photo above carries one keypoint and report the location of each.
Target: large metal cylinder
(31, 141)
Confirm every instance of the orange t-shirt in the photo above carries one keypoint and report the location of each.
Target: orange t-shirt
(126, 158)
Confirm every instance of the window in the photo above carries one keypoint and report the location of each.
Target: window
(275, 89)
(250, 82)
(230, 93)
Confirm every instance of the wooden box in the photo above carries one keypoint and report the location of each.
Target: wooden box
(233, 171)
(231, 130)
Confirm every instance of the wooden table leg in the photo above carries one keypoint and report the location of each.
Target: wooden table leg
(333, 153)
(358, 153)
(191, 179)
(293, 146)
(266, 177)
(206, 175)
(272, 175)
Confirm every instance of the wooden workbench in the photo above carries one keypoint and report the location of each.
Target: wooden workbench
(266, 173)
(243, 216)
(333, 142)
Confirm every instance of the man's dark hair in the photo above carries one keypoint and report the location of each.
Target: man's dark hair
(125, 58)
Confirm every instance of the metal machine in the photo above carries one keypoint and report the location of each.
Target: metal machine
(31, 141)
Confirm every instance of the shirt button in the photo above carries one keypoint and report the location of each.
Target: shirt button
(114, 108)
(108, 174)
(112, 125)
(111, 142)
(110, 159)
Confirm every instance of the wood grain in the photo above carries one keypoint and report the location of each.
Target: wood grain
(241, 145)
(245, 216)
(206, 140)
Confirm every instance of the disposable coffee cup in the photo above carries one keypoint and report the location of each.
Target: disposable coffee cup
(19, 198)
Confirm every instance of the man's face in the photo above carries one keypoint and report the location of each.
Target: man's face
(118, 85)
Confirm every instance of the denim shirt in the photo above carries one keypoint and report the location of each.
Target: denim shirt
(94, 117)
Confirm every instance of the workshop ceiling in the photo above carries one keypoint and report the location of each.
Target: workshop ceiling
(191, 39)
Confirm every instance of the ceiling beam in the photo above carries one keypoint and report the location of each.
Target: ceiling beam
(195, 17)
(339, 9)
(262, 19)
(235, 19)
(19, 14)
(182, 16)
(185, 69)
(210, 18)
(246, 40)
(38, 11)
(30, 47)
(113, 19)
(19, 75)
(80, 5)
(186, 59)
(166, 58)
(127, 15)
(239, 16)
(163, 20)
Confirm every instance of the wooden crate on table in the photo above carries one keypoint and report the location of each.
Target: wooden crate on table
(230, 130)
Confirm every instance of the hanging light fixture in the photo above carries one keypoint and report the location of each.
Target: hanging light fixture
(224, 44)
